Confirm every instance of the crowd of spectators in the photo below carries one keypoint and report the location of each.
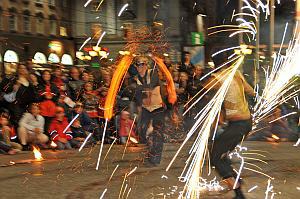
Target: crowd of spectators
(38, 106)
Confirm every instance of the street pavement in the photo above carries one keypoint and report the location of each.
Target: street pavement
(72, 174)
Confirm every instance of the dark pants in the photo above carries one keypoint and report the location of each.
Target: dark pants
(226, 142)
(155, 140)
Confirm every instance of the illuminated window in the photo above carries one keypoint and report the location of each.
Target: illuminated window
(67, 60)
(53, 58)
(63, 31)
(11, 56)
(39, 58)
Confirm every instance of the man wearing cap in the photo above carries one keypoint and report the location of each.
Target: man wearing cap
(151, 109)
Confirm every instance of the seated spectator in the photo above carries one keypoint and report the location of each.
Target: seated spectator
(60, 134)
(126, 124)
(8, 133)
(5, 148)
(75, 84)
(31, 128)
(90, 101)
(84, 123)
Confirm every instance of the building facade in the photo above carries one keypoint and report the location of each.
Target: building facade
(93, 20)
(28, 27)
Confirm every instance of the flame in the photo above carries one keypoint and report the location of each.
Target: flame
(37, 154)
(275, 137)
(115, 84)
(53, 145)
(132, 139)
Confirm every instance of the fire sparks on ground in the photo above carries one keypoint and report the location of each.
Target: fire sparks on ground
(37, 154)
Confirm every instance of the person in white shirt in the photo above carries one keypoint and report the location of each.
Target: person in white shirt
(31, 127)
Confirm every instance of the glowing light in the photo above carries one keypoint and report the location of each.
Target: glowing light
(39, 58)
(37, 154)
(11, 57)
(133, 140)
(123, 9)
(275, 137)
(53, 144)
(53, 58)
(93, 53)
(67, 59)
(96, 48)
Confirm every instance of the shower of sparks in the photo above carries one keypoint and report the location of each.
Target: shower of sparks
(102, 195)
(102, 143)
(289, 114)
(280, 81)
(269, 189)
(131, 172)
(206, 120)
(85, 42)
(123, 9)
(101, 37)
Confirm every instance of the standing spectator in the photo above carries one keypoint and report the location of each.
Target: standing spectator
(31, 128)
(60, 134)
(17, 93)
(186, 65)
(49, 95)
(75, 84)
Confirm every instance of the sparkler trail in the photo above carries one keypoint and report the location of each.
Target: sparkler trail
(85, 141)
(123, 9)
(87, 3)
(252, 188)
(102, 195)
(84, 43)
(102, 143)
(109, 149)
(113, 173)
(101, 37)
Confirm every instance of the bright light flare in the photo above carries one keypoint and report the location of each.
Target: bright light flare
(53, 144)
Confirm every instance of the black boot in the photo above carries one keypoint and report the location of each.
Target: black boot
(239, 194)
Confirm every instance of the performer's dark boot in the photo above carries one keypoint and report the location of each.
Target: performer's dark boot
(239, 194)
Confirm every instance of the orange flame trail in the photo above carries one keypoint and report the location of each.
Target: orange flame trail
(172, 97)
(115, 84)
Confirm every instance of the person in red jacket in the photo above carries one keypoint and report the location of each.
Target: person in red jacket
(126, 124)
(60, 133)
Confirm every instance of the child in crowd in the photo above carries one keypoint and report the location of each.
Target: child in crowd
(126, 124)
(8, 133)
(31, 128)
(60, 134)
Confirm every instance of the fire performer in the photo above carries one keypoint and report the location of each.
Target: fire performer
(151, 109)
(238, 117)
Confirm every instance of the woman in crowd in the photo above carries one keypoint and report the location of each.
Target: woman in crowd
(48, 97)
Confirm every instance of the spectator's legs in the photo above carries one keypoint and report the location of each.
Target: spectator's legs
(60, 145)
(123, 140)
(42, 138)
(68, 145)
(23, 135)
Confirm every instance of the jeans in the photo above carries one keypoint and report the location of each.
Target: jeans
(226, 142)
(62, 146)
(155, 139)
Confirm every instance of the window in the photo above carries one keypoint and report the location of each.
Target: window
(67, 59)
(26, 23)
(12, 22)
(39, 58)
(53, 27)
(40, 25)
(11, 56)
(51, 2)
(63, 31)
